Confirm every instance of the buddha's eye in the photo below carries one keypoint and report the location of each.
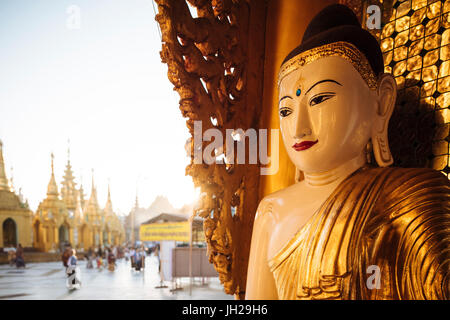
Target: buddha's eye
(321, 98)
(284, 112)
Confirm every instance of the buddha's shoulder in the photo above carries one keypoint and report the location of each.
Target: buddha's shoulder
(397, 176)
(401, 189)
(406, 195)
(280, 195)
(278, 198)
(400, 170)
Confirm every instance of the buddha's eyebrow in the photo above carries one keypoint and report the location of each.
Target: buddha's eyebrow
(321, 81)
(284, 98)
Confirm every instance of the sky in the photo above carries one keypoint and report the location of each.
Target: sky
(89, 72)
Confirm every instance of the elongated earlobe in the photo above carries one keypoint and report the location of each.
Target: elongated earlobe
(381, 151)
(387, 94)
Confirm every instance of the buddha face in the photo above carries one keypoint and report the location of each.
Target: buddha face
(327, 113)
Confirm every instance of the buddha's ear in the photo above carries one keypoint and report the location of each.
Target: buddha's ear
(387, 94)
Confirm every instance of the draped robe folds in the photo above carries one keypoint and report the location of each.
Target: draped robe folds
(393, 220)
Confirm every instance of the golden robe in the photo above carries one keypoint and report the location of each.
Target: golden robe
(392, 220)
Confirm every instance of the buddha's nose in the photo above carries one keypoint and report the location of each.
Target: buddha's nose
(304, 133)
(303, 124)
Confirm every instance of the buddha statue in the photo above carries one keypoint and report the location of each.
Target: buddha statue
(350, 229)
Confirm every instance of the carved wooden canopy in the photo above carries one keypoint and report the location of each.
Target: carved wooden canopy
(214, 53)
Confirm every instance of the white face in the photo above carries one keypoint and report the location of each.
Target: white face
(327, 112)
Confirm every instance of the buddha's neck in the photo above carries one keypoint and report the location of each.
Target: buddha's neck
(337, 174)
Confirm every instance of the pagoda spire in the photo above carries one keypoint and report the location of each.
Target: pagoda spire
(79, 209)
(68, 189)
(136, 203)
(93, 198)
(93, 210)
(52, 189)
(3, 179)
(93, 183)
(108, 206)
(11, 181)
(68, 151)
(68, 172)
(81, 193)
(109, 192)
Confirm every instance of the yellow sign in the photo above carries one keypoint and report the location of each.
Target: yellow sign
(176, 231)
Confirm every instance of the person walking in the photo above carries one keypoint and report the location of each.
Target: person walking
(139, 258)
(127, 254)
(65, 256)
(90, 258)
(143, 254)
(99, 263)
(12, 256)
(133, 257)
(111, 261)
(156, 254)
(73, 273)
(105, 257)
(20, 261)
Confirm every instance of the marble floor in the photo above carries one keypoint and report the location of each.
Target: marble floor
(47, 281)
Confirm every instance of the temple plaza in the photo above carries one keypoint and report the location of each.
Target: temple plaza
(47, 281)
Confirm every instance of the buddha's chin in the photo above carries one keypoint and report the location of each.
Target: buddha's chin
(309, 167)
(311, 162)
(314, 163)
(307, 161)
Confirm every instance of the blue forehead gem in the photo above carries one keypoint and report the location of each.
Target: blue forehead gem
(298, 92)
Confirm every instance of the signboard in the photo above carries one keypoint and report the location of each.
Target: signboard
(198, 235)
(176, 231)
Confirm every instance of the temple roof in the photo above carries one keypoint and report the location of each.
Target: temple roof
(166, 217)
(10, 201)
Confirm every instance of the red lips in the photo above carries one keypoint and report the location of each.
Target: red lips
(304, 145)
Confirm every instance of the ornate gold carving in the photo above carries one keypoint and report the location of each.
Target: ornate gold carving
(215, 64)
(337, 49)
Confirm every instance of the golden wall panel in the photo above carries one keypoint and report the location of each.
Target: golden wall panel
(415, 41)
